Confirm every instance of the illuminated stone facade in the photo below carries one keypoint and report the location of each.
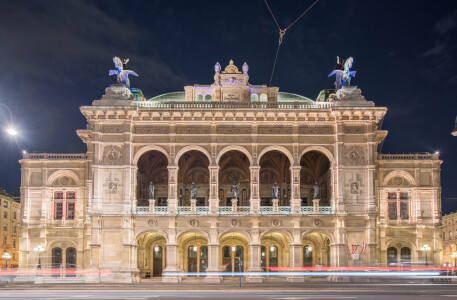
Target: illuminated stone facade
(9, 229)
(450, 239)
(217, 136)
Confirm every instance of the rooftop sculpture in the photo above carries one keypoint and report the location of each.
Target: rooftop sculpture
(121, 71)
(343, 72)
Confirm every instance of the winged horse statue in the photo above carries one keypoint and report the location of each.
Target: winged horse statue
(121, 71)
(343, 72)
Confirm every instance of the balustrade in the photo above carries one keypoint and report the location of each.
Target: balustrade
(185, 105)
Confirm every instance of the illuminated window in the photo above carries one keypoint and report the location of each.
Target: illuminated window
(58, 195)
(392, 196)
(58, 210)
(392, 210)
(208, 97)
(403, 196)
(71, 210)
(71, 195)
(5, 203)
(14, 215)
(199, 97)
(263, 98)
(5, 227)
(254, 97)
(404, 210)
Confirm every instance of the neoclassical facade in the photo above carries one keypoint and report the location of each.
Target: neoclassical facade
(340, 202)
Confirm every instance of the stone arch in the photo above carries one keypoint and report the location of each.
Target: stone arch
(320, 149)
(286, 233)
(234, 147)
(61, 173)
(399, 173)
(189, 148)
(321, 231)
(145, 149)
(193, 230)
(281, 149)
(146, 231)
(239, 231)
(58, 243)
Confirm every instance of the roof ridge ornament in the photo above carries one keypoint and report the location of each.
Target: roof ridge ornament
(343, 72)
(121, 71)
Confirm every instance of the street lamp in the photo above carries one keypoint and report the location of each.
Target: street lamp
(454, 255)
(39, 249)
(426, 248)
(6, 256)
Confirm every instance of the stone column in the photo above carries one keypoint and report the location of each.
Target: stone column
(296, 261)
(172, 189)
(255, 196)
(316, 205)
(254, 252)
(275, 205)
(234, 205)
(171, 255)
(295, 200)
(213, 189)
(213, 253)
(193, 203)
(152, 205)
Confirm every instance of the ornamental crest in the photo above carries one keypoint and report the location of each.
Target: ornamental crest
(113, 154)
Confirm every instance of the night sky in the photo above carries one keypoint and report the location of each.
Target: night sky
(55, 57)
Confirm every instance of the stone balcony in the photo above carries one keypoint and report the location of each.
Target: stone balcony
(229, 210)
(411, 156)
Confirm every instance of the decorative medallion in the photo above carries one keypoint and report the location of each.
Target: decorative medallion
(152, 223)
(64, 180)
(398, 245)
(113, 154)
(235, 223)
(398, 181)
(354, 155)
(193, 223)
(317, 222)
(276, 223)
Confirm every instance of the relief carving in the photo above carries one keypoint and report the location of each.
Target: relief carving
(112, 154)
(233, 130)
(315, 130)
(152, 129)
(354, 155)
(193, 130)
(112, 128)
(274, 130)
(354, 129)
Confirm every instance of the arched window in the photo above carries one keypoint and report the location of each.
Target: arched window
(208, 97)
(263, 98)
(308, 256)
(203, 258)
(56, 260)
(405, 253)
(71, 261)
(227, 258)
(199, 97)
(192, 259)
(263, 258)
(157, 261)
(254, 97)
(273, 257)
(239, 259)
(391, 256)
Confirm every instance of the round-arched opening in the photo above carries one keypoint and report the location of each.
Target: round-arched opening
(151, 254)
(152, 178)
(274, 251)
(392, 256)
(263, 98)
(199, 97)
(254, 98)
(193, 249)
(208, 97)
(316, 250)
(234, 178)
(274, 178)
(193, 178)
(315, 170)
(234, 252)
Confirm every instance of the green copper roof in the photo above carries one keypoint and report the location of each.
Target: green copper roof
(180, 96)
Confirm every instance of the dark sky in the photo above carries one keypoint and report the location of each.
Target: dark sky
(55, 57)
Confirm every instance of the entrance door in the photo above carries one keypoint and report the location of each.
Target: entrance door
(192, 259)
(273, 257)
(71, 262)
(239, 259)
(203, 258)
(263, 258)
(157, 262)
(391, 256)
(307, 256)
(405, 255)
(227, 259)
(56, 261)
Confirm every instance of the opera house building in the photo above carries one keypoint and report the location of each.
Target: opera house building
(228, 177)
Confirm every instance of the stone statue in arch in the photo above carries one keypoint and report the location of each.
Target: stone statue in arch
(275, 191)
(151, 190)
(193, 191)
(235, 190)
(316, 190)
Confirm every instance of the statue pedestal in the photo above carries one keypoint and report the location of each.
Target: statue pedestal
(234, 205)
(275, 205)
(316, 205)
(152, 205)
(193, 204)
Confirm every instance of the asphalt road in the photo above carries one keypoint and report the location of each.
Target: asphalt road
(372, 291)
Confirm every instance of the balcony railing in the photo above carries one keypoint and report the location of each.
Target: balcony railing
(55, 156)
(411, 156)
(231, 105)
(240, 210)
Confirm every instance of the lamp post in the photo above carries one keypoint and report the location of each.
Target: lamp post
(39, 249)
(6, 256)
(454, 255)
(426, 248)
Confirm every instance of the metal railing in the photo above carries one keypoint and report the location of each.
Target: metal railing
(185, 105)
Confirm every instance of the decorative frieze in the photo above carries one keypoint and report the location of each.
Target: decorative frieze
(315, 129)
(351, 129)
(274, 130)
(233, 130)
(193, 130)
(152, 129)
(112, 128)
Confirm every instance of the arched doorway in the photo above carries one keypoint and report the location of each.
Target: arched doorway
(193, 168)
(391, 256)
(151, 252)
(315, 167)
(275, 250)
(193, 252)
(274, 168)
(234, 169)
(233, 252)
(316, 250)
(56, 260)
(152, 167)
(70, 262)
(405, 254)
